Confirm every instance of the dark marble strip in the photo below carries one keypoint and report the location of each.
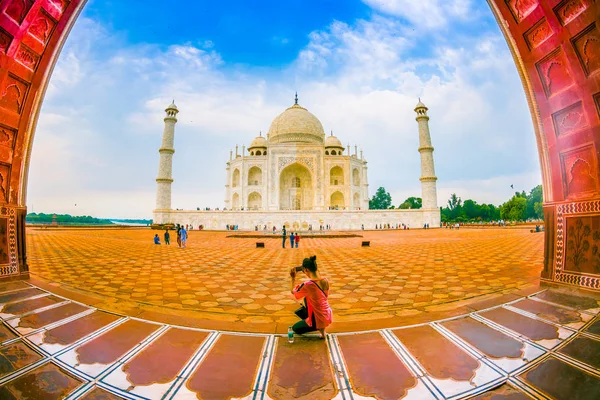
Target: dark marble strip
(16, 285)
(584, 349)
(488, 340)
(301, 370)
(26, 306)
(569, 300)
(20, 295)
(229, 369)
(374, 368)
(427, 345)
(533, 329)
(16, 356)
(5, 333)
(39, 320)
(48, 382)
(594, 327)
(73, 331)
(164, 358)
(108, 347)
(548, 311)
(560, 380)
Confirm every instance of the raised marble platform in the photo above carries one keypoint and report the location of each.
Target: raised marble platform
(299, 220)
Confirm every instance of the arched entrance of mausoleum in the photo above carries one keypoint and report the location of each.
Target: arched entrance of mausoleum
(554, 47)
(295, 188)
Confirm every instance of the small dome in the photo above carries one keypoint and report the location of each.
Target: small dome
(259, 141)
(296, 124)
(332, 141)
(172, 106)
(421, 105)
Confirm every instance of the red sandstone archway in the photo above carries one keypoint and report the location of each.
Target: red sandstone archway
(556, 47)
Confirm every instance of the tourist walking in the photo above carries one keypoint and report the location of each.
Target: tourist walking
(315, 292)
(178, 236)
(292, 237)
(297, 239)
(284, 236)
(156, 239)
(183, 233)
(167, 237)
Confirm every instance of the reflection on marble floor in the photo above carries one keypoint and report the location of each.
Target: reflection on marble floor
(546, 345)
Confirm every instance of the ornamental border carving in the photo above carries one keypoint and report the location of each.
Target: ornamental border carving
(12, 267)
(559, 274)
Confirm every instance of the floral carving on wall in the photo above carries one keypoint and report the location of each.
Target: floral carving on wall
(583, 245)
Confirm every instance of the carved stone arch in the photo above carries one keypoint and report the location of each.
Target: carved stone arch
(336, 175)
(236, 178)
(355, 176)
(255, 176)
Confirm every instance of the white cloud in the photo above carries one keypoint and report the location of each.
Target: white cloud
(426, 13)
(101, 125)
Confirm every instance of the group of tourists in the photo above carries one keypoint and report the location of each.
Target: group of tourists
(231, 227)
(294, 238)
(393, 226)
(182, 236)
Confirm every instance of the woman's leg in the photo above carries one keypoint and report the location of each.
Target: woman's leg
(301, 327)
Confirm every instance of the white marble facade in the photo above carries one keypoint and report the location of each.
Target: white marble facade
(296, 167)
(298, 176)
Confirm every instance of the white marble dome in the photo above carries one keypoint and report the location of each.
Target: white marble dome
(295, 125)
(332, 141)
(258, 142)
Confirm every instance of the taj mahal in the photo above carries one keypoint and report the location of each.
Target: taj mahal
(299, 177)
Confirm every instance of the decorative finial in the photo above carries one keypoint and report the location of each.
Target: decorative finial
(296, 99)
(260, 134)
(331, 133)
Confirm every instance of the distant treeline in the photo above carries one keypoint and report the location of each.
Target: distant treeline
(133, 221)
(66, 219)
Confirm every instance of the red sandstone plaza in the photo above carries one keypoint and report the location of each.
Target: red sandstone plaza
(438, 314)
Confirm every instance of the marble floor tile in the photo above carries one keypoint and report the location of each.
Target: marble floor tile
(32, 322)
(543, 333)
(302, 370)
(98, 354)
(22, 307)
(152, 371)
(502, 350)
(559, 380)
(375, 370)
(559, 315)
(15, 356)
(47, 382)
(60, 337)
(581, 303)
(456, 373)
(583, 349)
(228, 371)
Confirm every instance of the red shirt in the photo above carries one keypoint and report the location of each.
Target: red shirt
(316, 302)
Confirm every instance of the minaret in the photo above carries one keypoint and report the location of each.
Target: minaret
(165, 164)
(428, 178)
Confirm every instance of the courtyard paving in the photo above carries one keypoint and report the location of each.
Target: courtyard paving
(227, 283)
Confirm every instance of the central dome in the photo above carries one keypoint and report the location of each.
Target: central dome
(296, 125)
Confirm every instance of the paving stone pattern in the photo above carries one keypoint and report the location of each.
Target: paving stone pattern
(99, 355)
(403, 273)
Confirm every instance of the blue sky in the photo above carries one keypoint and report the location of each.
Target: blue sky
(232, 67)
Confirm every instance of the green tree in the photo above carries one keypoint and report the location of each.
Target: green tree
(412, 203)
(471, 209)
(536, 196)
(382, 200)
(515, 209)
